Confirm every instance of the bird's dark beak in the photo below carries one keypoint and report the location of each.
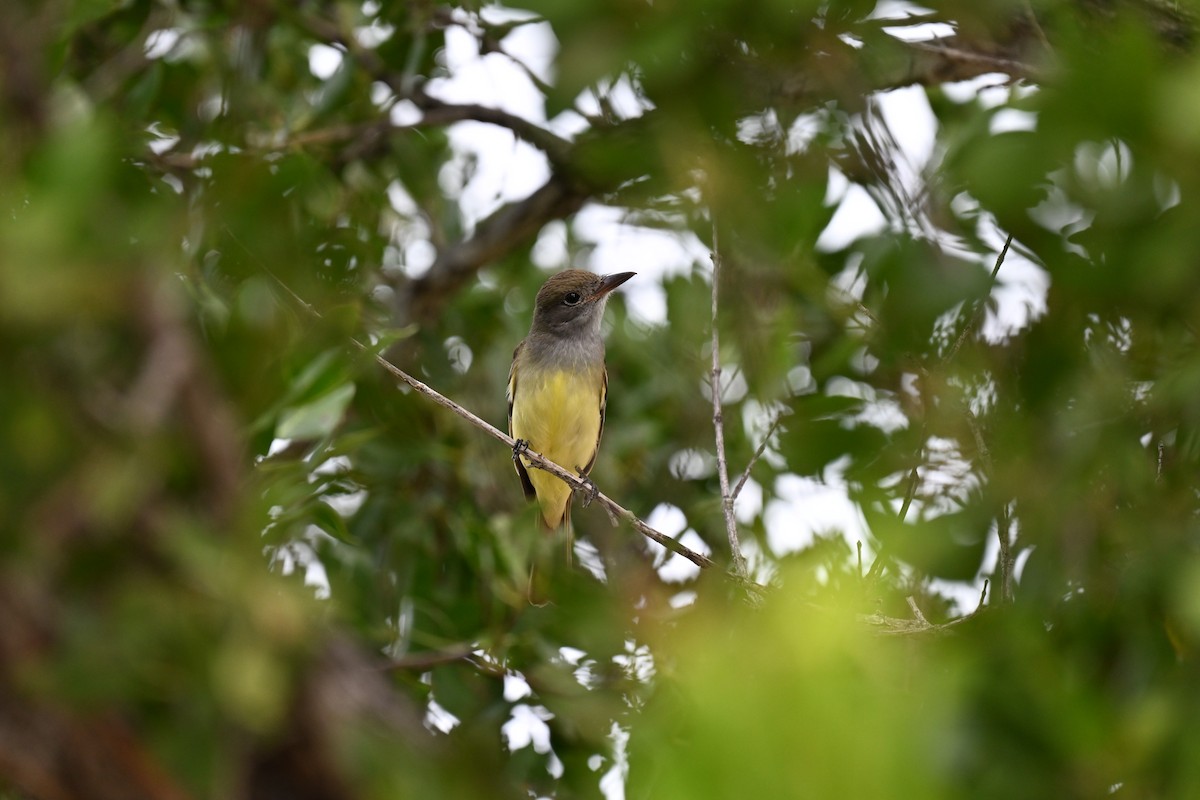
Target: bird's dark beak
(610, 282)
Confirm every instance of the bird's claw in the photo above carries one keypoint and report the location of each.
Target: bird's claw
(520, 448)
(589, 488)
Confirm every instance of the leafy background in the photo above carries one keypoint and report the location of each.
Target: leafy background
(239, 560)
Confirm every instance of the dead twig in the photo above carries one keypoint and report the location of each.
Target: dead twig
(977, 316)
(762, 448)
(894, 626)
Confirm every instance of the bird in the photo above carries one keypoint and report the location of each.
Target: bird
(558, 387)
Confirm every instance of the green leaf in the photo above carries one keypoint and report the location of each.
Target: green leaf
(948, 546)
(316, 419)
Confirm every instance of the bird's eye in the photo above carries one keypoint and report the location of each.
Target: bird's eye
(572, 298)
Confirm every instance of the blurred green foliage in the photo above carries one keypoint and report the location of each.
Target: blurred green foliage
(239, 560)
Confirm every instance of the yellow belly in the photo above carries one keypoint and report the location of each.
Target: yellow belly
(558, 413)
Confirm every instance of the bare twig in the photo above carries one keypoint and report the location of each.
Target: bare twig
(762, 447)
(439, 112)
(534, 459)
(421, 662)
(363, 137)
(953, 56)
(914, 477)
(980, 443)
(727, 496)
(977, 316)
(1004, 559)
(916, 609)
(919, 624)
(436, 112)
(1037, 27)
(108, 78)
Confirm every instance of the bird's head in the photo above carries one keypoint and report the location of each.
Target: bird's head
(574, 300)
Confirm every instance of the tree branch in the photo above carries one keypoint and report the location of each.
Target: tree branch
(1004, 558)
(541, 462)
(949, 60)
(727, 496)
(439, 112)
(436, 112)
(423, 661)
(894, 626)
(914, 477)
(494, 237)
(762, 448)
(364, 138)
(977, 317)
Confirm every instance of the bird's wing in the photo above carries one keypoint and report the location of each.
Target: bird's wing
(526, 484)
(599, 431)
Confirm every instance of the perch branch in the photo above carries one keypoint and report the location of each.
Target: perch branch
(541, 462)
(534, 459)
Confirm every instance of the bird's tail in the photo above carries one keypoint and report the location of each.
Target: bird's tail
(540, 568)
(568, 534)
(563, 527)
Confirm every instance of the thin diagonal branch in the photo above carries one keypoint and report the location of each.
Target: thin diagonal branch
(1005, 561)
(977, 316)
(541, 462)
(913, 478)
(762, 447)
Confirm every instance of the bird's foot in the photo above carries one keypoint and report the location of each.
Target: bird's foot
(589, 488)
(520, 447)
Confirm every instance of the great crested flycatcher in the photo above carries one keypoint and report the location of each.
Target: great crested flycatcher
(558, 385)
